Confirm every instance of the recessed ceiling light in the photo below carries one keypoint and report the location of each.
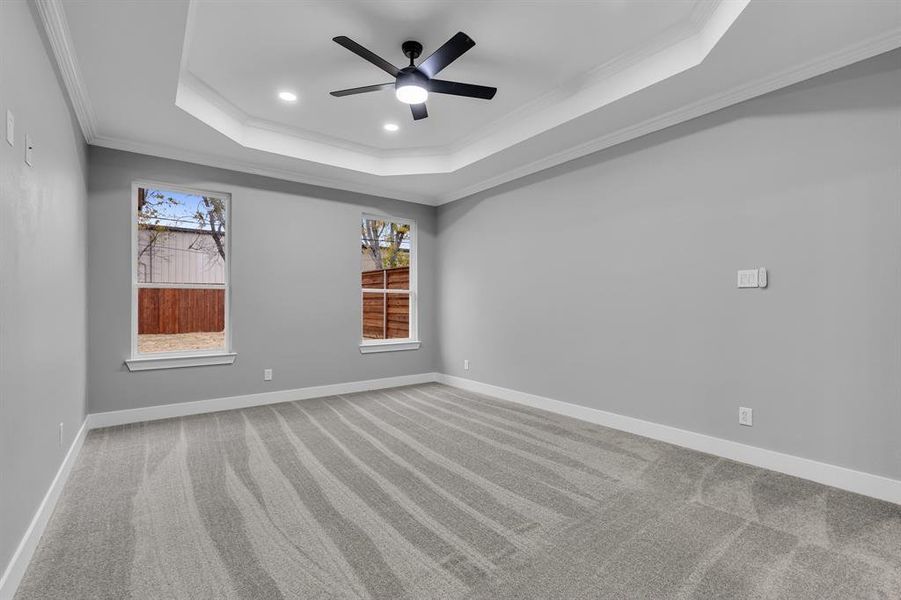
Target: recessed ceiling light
(390, 127)
(288, 96)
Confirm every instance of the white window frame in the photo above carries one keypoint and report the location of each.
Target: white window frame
(412, 342)
(187, 358)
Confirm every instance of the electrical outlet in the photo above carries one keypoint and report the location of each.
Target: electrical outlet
(466, 364)
(267, 374)
(61, 435)
(745, 416)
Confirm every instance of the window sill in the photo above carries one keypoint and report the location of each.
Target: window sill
(371, 347)
(150, 363)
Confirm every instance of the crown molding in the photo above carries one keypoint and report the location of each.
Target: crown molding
(842, 58)
(676, 50)
(830, 62)
(53, 18)
(625, 74)
(230, 164)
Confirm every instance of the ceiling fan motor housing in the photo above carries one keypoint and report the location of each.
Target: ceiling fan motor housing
(412, 76)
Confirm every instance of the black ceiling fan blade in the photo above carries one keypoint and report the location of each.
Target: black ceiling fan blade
(362, 90)
(419, 111)
(470, 90)
(446, 54)
(362, 52)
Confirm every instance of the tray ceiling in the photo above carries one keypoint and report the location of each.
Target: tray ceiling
(199, 81)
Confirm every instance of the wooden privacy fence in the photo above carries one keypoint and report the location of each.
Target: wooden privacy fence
(386, 315)
(180, 310)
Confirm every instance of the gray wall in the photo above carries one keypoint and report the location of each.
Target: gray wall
(609, 282)
(42, 275)
(295, 286)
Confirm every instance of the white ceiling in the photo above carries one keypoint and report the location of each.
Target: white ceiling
(525, 53)
(198, 80)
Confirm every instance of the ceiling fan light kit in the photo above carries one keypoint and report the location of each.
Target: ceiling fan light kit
(413, 83)
(410, 87)
(411, 94)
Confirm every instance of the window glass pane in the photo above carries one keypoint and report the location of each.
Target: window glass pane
(398, 278)
(374, 324)
(180, 319)
(398, 317)
(385, 246)
(386, 315)
(181, 237)
(374, 280)
(385, 265)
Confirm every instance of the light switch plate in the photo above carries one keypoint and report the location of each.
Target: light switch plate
(10, 128)
(747, 278)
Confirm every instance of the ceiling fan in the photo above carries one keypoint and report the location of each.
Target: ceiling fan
(412, 84)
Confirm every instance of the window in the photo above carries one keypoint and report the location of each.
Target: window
(180, 259)
(388, 284)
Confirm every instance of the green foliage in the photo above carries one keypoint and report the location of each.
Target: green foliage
(385, 242)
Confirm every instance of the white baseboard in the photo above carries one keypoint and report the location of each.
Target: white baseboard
(15, 570)
(875, 486)
(166, 411)
(859, 482)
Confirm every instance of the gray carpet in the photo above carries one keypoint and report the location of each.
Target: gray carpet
(430, 492)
